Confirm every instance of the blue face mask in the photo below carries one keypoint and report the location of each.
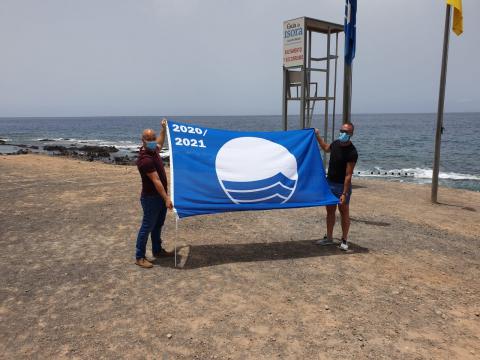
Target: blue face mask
(343, 137)
(151, 145)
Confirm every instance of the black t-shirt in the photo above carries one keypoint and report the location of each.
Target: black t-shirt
(339, 157)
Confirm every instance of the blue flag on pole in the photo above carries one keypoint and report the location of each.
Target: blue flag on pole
(350, 30)
(216, 171)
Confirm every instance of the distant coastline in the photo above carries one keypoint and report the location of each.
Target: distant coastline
(397, 147)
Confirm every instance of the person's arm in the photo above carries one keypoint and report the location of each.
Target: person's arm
(161, 190)
(348, 181)
(325, 147)
(163, 131)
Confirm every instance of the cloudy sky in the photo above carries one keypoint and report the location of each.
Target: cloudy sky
(213, 57)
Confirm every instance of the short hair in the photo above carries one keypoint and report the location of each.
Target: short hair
(351, 124)
(147, 132)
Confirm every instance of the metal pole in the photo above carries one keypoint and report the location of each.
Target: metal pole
(308, 75)
(175, 239)
(284, 99)
(302, 100)
(304, 75)
(327, 90)
(335, 87)
(441, 103)
(347, 92)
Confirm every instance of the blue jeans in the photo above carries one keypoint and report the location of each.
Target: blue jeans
(154, 213)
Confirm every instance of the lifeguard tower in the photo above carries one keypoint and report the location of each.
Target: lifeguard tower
(307, 78)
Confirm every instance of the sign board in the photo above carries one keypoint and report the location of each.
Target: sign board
(293, 42)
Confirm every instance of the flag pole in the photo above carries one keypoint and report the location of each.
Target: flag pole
(347, 92)
(441, 103)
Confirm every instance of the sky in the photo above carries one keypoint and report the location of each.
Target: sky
(220, 57)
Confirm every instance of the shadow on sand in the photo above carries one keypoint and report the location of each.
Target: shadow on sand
(198, 256)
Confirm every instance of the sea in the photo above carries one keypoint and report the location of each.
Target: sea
(394, 147)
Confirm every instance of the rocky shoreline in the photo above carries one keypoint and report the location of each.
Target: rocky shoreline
(106, 154)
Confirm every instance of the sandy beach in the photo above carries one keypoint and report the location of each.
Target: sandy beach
(251, 285)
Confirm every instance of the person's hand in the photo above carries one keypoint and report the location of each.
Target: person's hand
(317, 132)
(168, 203)
(164, 123)
(343, 197)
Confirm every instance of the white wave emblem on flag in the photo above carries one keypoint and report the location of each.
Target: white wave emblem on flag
(255, 170)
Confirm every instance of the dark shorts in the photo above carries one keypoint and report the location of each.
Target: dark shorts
(337, 190)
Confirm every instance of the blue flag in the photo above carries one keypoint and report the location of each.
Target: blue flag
(215, 171)
(350, 30)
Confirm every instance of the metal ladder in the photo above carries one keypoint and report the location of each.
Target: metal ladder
(310, 101)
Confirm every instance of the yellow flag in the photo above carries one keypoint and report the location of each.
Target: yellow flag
(457, 16)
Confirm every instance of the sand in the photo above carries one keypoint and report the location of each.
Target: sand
(252, 285)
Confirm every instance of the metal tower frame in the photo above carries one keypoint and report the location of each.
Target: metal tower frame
(297, 75)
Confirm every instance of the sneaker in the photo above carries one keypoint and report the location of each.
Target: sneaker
(163, 253)
(344, 245)
(325, 241)
(144, 263)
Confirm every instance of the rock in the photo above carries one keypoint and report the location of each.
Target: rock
(98, 151)
(477, 314)
(2, 142)
(327, 307)
(123, 160)
(169, 336)
(59, 148)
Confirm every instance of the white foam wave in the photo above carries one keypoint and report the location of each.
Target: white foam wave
(121, 145)
(5, 139)
(416, 173)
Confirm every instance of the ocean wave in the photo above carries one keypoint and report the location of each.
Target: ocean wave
(121, 144)
(276, 189)
(415, 173)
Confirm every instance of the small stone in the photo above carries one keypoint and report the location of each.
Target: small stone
(326, 307)
(169, 336)
(477, 314)
(438, 312)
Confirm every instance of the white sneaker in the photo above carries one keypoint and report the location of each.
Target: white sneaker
(344, 245)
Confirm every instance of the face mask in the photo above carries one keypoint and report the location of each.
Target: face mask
(343, 137)
(151, 145)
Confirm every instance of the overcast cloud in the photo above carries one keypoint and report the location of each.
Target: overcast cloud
(213, 57)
